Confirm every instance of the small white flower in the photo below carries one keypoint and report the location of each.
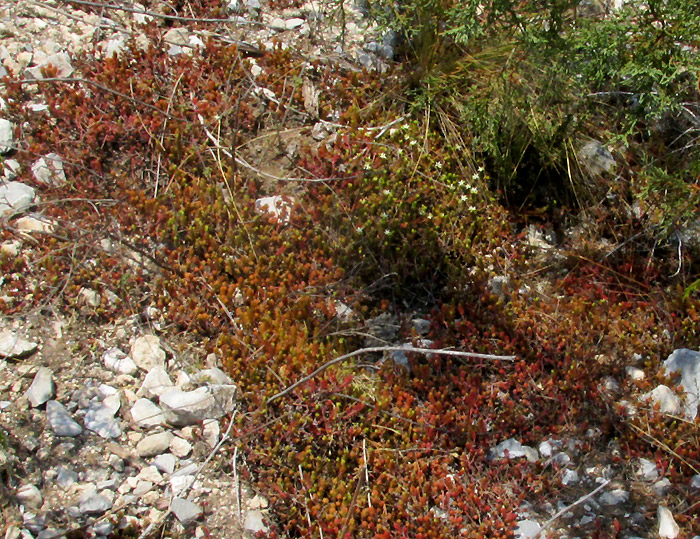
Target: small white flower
(480, 169)
(359, 229)
(473, 190)
(387, 232)
(429, 216)
(413, 142)
(404, 126)
(438, 165)
(464, 198)
(393, 131)
(475, 176)
(386, 191)
(382, 155)
(384, 215)
(472, 208)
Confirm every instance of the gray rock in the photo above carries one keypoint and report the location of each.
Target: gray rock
(65, 477)
(42, 388)
(100, 419)
(211, 432)
(7, 135)
(29, 496)
(661, 487)
(10, 169)
(103, 528)
(155, 444)
(13, 346)
(569, 477)
(93, 503)
(190, 407)
(185, 511)
(614, 497)
(668, 401)
(647, 470)
(60, 420)
(212, 376)
(695, 481)
(117, 361)
(48, 170)
(155, 382)
(146, 414)
(686, 363)
(147, 352)
(165, 463)
(596, 158)
(527, 529)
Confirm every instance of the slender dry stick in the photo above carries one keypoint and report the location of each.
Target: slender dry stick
(372, 349)
(569, 507)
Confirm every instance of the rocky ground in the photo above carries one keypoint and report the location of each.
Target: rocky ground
(123, 430)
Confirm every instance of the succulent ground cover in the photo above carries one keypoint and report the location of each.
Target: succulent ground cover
(399, 209)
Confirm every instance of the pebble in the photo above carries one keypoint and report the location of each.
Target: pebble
(117, 361)
(60, 420)
(11, 344)
(42, 388)
(155, 383)
(93, 503)
(146, 414)
(190, 407)
(180, 447)
(614, 497)
(667, 524)
(100, 419)
(165, 463)
(155, 444)
(29, 496)
(7, 135)
(254, 522)
(48, 170)
(185, 511)
(667, 400)
(66, 477)
(147, 353)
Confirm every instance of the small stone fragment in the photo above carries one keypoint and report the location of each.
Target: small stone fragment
(647, 470)
(155, 382)
(185, 511)
(667, 524)
(65, 477)
(100, 419)
(211, 432)
(668, 401)
(180, 447)
(254, 522)
(189, 407)
(569, 477)
(212, 376)
(93, 503)
(527, 529)
(34, 223)
(155, 444)
(60, 420)
(14, 347)
(686, 363)
(42, 388)
(165, 462)
(147, 414)
(29, 496)
(614, 497)
(147, 352)
(48, 170)
(7, 135)
(117, 361)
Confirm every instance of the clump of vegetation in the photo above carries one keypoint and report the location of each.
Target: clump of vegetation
(416, 204)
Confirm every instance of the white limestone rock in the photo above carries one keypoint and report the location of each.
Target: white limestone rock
(13, 346)
(35, 223)
(100, 419)
(15, 197)
(686, 363)
(147, 414)
(180, 447)
(165, 463)
(29, 496)
(7, 136)
(155, 383)
(278, 207)
(59, 60)
(155, 444)
(527, 529)
(512, 449)
(185, 511)
(667, 524)
(184, 408)
(254, 522)
(212, 376)
(668, 401)
(42, 388)
(147, 352)
(117, 361)
(48, 170)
